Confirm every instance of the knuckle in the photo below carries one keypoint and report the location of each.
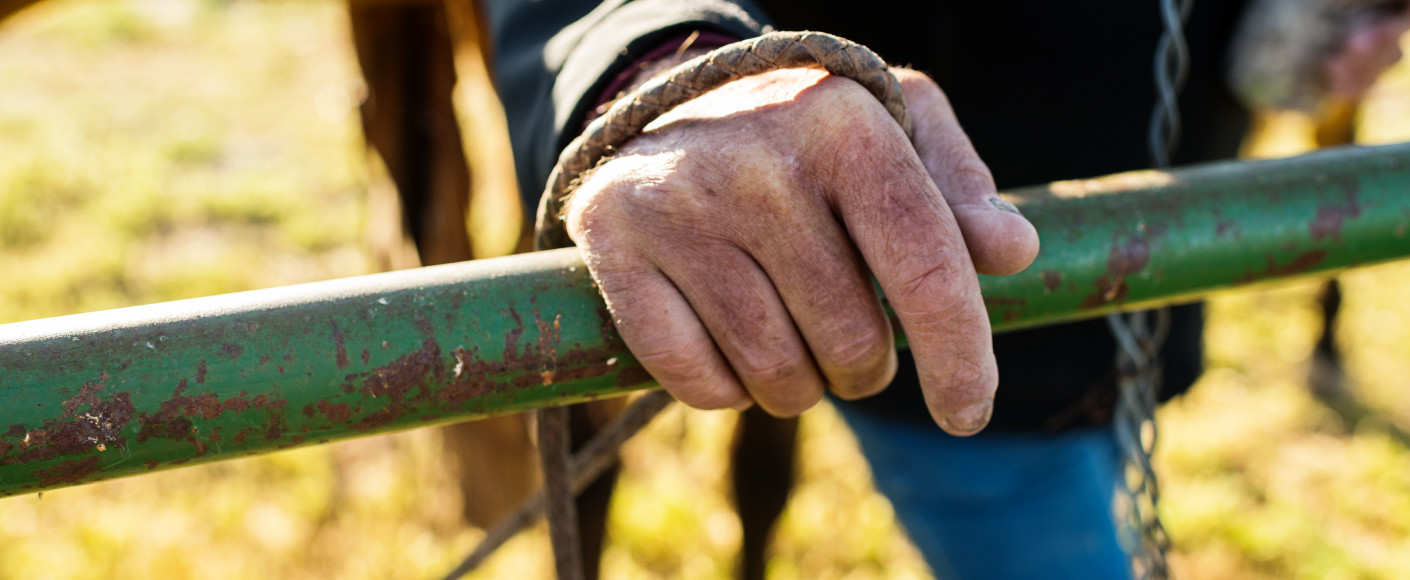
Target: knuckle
(906, 75)
(782, 386)
(791, 402)
(850, 114)
(941, 320)
(767, 371)
(865, 352)
(929, 278)
(920, 88)
(868, 129)
(706, 397)
(964, 169)
(625, 287)
(966, 163)
(863, 149)
(914, 82)
(687, 375)
(592, 212)
(860, 390)
(677, 366)
(859, 368)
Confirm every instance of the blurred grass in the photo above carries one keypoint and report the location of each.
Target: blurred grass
(153, 150)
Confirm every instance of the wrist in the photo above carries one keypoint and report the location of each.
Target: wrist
(664, 57)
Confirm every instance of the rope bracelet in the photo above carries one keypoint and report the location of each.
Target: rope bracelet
(633, 112)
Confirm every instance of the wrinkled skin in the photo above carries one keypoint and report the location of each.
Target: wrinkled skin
(735, 239)
(734, 242)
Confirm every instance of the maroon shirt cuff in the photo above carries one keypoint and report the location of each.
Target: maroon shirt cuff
(695, 39)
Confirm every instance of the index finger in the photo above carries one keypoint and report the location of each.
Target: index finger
(908, 236)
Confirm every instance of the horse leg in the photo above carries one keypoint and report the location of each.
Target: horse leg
(763, 457)
(409, 121)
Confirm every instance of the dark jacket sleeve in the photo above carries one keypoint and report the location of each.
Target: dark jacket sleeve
(553, 57)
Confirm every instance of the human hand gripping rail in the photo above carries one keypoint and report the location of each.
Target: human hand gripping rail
(714, 227)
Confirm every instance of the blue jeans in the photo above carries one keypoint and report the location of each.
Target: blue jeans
(1000, 506)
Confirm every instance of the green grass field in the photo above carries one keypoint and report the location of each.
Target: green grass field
(152, 150)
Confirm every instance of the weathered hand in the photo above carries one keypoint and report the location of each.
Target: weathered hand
(733, 239)
(1371, 46)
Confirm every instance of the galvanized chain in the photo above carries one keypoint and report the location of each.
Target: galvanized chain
(1138, 338)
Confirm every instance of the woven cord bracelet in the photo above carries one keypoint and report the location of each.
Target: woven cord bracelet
(633, 112)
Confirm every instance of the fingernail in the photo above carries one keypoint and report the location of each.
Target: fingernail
(743, 405)
(1001, 205)
(970, 419)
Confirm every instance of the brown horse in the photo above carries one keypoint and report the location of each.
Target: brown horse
(435, 133)
(411, 53)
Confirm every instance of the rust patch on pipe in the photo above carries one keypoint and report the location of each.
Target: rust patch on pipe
(235, 404)
(77, 431)
(1304, 262)
(423, 376)
(173, 417)
(1331, 217)
(335, 413)
(242, 434)
(200, 372)
(1128, 258)
(1124, 258)
(87, 395)
(342, 359)
(1052, 279)
(468, 380)
(1224, 227)
(206, 405)
(232, 351)
(398, 379)
(70, 471)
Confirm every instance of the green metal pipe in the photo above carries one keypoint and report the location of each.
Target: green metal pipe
(123, 392)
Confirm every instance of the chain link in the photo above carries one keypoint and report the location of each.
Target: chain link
(1139, 338)
(1138, 381)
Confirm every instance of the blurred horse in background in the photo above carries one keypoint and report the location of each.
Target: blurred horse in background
(437, 145)
(415, 55)
(438, 148)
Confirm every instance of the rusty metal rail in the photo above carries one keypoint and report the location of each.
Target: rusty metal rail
(124, 392)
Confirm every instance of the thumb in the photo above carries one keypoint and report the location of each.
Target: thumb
(1000, 240)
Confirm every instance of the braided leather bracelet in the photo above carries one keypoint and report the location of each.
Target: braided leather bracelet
(632, 113)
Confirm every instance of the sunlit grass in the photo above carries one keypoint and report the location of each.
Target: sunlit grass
(160, 149)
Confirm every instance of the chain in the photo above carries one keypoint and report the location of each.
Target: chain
(1138, 371)
(1138, 365)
